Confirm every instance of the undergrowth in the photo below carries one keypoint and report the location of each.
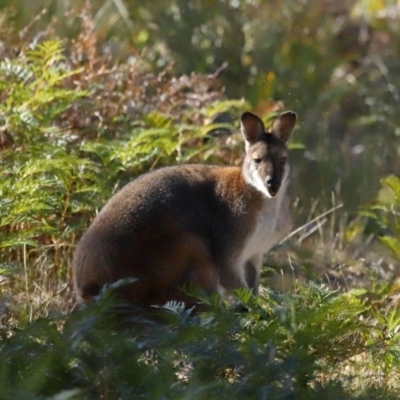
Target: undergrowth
(308, 344)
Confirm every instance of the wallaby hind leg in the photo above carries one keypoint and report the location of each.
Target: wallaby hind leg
(182, 261)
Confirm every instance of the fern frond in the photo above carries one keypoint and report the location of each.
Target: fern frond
(236, 107)
(175, 307)
(12, 69)
(46, 53)
(27, 118)
(393, 244)
(244, 295)
(393, 184)
(9, 268)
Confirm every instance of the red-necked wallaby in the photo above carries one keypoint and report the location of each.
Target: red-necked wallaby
(192, 225)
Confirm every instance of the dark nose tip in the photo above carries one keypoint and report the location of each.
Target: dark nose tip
(272, 186)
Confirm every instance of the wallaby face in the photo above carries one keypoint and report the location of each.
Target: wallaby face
(191, 225)
(265, 166)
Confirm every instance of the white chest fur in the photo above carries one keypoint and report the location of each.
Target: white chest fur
(272, 223)
(265, 233)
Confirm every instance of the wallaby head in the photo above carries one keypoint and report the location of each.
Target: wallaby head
(265, 166)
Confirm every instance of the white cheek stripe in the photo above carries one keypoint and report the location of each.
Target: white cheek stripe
(260, 185)
(254, 179)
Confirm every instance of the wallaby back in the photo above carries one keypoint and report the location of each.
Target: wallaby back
(192, 225)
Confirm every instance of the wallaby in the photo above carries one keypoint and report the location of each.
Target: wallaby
(191, 225)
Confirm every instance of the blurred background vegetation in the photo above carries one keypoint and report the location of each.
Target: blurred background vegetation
(94, 93)
(335, 63)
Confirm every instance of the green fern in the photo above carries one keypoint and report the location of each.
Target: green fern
(46, 54)
(14, 70)
(393, 244)
(309, 344)
(386, 211)
(393, 184)
(35, 95)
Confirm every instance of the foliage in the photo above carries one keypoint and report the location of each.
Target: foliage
(304, 345)
(333, 63)
(386, 211)
(68, 145)
(81, 117)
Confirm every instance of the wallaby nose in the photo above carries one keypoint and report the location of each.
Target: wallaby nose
(271, 185)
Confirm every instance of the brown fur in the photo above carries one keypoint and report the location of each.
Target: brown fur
(194, 225)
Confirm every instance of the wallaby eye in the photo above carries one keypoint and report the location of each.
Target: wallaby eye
(257, 161)
(283, 160)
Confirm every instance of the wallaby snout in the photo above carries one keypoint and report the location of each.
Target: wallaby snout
(275, 176)
(191, 225)
(272, 185)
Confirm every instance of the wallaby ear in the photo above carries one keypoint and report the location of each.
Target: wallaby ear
(251, 126)
(283, 125)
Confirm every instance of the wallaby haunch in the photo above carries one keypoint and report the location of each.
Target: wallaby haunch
(191, 225)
